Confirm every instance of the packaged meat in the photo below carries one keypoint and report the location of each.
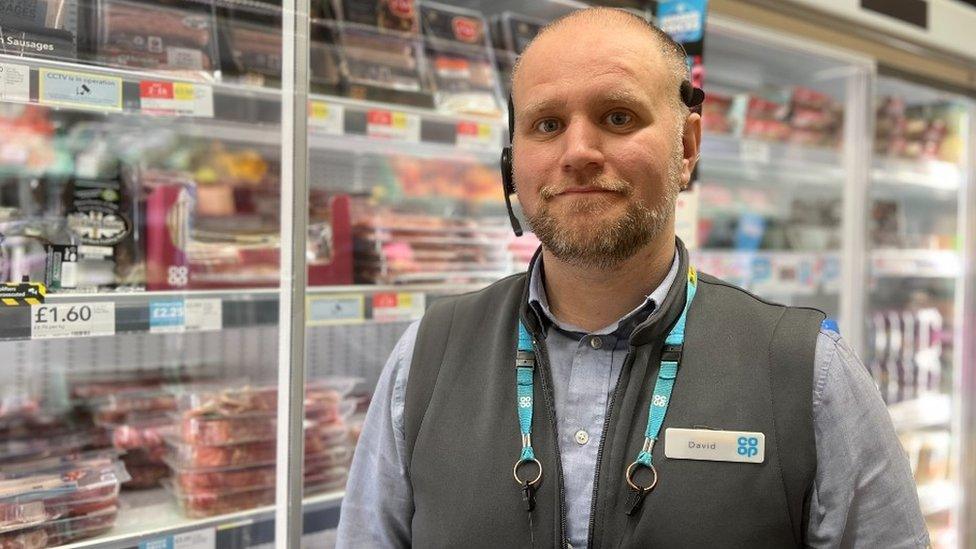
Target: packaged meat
(141, 432)
(68, 530)
(322, 398)
(382, 51)
(115, 409)
(217, 428)
(319, 439)
(39, 28)
(465, 80)
(250, 38)
(202, 503)
(144, 474)
(25, 449)
(154, 37)
(333, 462)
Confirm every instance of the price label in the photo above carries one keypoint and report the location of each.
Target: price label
(72, 320)
(14, 82)
(76, 89)
(398, 307)
(167, 316)
(754, 151)
(393, 125)
(478, 135)
(326, 118)
(176, 98)
(204, 315)
(335, 309)
(197, 539)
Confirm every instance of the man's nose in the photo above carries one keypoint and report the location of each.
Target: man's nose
(583, 148)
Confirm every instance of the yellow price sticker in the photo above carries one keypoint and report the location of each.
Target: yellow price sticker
(183, 91)
(399, 120)
(405, 300)
(319, 110)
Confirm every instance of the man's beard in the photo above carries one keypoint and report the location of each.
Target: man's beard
(606, 243)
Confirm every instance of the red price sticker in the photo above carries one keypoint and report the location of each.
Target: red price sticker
(385, 124)
(478, 135)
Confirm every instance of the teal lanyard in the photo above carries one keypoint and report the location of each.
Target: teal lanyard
(667, 374)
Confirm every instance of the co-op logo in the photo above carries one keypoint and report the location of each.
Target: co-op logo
(748, 446)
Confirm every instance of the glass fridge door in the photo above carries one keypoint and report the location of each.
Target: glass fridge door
(914, 319)
(776, 156)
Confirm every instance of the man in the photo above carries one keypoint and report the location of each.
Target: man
(634, 403)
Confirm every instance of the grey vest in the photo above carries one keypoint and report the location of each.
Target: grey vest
(747, 366)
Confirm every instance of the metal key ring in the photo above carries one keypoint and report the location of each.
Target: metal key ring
(523, 461)
(630, 476)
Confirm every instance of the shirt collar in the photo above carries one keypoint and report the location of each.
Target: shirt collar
(540, 302)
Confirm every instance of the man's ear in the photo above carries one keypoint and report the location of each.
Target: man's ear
(691, 142)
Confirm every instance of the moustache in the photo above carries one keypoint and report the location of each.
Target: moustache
(602, 183)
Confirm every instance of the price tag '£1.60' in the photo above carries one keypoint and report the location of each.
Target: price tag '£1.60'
(72, 320)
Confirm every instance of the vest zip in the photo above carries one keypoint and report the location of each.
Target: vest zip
(550, 413)
(603, 440)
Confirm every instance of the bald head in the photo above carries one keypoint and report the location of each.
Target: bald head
(613, 21)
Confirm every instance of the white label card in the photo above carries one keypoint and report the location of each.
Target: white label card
(393, 125)
(335, 309)
(204, 315)
(327, 118)
(14, 82)
(711, 445)
(72, 320)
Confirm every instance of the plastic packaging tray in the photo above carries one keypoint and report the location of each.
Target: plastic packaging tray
(318, 440)
(214, 429)
(207, 503)
(190, 480)
(61, 531)
(321, 396)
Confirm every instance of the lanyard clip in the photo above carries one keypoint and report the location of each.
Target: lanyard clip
(671, 353)
(528, 496)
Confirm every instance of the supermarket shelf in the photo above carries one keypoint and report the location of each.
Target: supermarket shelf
(252, 113)
(732, 159)
(774, 273)
(923, 174)
(142, 312)
(154, 517)
(937, 497)
(925, 412)
(895, 263)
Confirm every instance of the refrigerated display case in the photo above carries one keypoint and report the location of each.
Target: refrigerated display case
(914, 317)
(780, 146)
(152, 188)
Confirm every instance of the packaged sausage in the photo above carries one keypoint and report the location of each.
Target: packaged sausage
(382, 51)
(464, 76)
(146, 35)
(39, 28)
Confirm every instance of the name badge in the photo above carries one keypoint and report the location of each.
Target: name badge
(709, 445)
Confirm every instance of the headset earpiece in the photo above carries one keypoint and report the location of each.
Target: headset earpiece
(505, 164)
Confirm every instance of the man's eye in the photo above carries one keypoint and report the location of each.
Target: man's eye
(619, 119)
(548, 125)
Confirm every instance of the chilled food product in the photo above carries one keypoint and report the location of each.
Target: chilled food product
(191, 480)
(53, 501)
(147, 36)
(465, 80)
(141, 438)
(393, 248)
(322, 398)
(39, 28)
(382, 51)
(200, 502)
(319, 439)
(250, 36)
(116, 408)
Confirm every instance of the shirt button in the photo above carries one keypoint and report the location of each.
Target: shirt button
(596, 342)
(582, 437)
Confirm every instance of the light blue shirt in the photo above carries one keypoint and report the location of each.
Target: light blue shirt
(864, 494)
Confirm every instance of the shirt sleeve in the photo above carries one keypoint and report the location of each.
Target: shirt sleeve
(864, 494)
(377, 508)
